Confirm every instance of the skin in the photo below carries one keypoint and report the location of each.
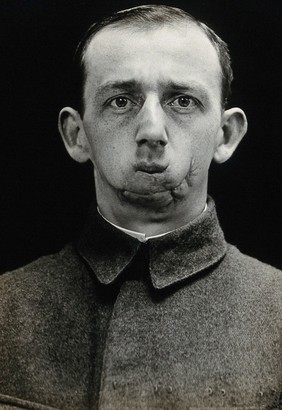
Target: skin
(152, 124)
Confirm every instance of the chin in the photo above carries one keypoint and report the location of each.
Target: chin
(156, 196)
(154, 201)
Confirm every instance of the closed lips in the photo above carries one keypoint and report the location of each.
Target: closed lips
(151, 168)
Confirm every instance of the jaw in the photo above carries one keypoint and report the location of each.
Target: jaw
(153, 203)
(159, 199)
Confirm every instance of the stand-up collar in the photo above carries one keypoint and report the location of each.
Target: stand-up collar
(172, 258)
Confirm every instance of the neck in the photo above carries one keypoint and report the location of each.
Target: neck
(151, 221)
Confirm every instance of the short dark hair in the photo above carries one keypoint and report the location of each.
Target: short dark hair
(153, 15)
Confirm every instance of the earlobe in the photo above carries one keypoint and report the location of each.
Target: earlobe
(233, 128)
(73, 135)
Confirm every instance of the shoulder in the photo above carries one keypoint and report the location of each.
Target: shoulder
(251, 268)
(251, 284)
(41, 284)
(42, 269)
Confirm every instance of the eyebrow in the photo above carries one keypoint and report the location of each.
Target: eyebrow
(133, 85)
(130, 85)
(191, 86)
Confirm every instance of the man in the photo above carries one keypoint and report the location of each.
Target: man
(150, 308)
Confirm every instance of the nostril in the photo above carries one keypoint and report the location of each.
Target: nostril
(151, 143)
(158, 143)
(143, 141)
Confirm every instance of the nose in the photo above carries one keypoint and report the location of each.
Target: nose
(151, 127)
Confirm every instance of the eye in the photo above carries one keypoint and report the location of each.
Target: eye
(120, 102)
(183, 101)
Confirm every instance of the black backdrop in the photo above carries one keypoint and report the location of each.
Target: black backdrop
(44, 194)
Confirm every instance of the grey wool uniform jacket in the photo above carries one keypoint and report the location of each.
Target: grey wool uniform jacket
(184, 321)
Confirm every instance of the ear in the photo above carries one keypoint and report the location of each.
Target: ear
(72, 132)
(233, 127)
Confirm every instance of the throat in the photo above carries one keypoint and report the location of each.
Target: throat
(142, 237)
(150, 221)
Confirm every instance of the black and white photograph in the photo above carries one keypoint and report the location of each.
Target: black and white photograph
(140, 205)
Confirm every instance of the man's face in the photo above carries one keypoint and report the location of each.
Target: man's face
(152, 113)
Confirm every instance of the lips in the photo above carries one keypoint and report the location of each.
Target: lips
(150, 168)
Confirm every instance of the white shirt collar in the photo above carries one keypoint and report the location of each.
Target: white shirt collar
(137, 235)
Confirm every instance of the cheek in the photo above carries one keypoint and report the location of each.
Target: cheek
(108, 137)
(107, 159)
(202, 147)
(110, 153)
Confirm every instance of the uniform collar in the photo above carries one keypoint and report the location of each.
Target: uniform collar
(172, 258)
(142, 237)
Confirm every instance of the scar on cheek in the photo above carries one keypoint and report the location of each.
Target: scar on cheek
(181, 191)
(192, 173)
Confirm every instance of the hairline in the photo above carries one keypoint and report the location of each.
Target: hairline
(189, 20)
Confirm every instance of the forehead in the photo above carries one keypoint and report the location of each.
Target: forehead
(152, 55)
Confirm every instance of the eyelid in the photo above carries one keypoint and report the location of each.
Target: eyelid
(111, 99)
(171, 99)
(177, 96)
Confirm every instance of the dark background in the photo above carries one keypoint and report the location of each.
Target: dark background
(44, 194)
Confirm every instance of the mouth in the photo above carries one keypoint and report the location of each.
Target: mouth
(150, 168)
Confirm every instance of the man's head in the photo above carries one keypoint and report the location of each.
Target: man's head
(154, 91)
